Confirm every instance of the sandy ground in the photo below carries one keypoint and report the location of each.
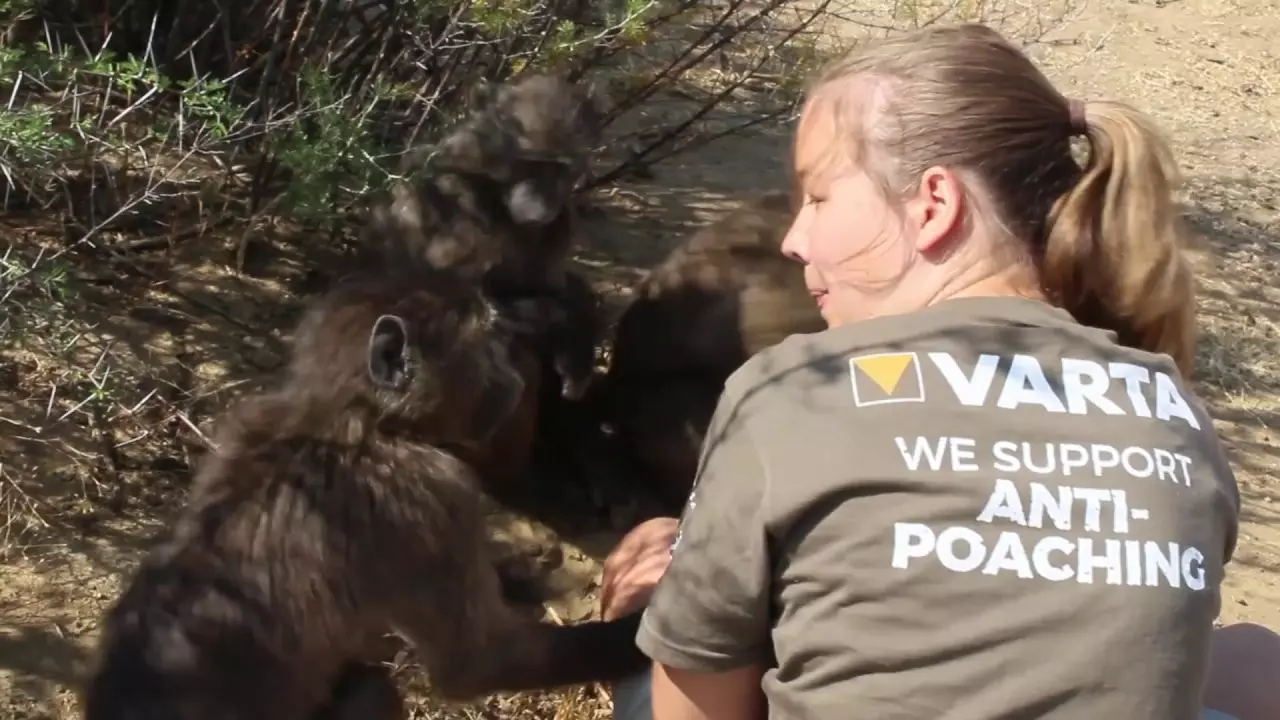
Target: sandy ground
(1206, 69)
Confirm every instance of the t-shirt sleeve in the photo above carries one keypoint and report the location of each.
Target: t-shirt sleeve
(1233, 498)
(710, 611)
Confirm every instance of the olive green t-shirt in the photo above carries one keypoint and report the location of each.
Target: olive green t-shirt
(981, 510)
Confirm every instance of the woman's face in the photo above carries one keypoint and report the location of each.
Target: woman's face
(854, 245)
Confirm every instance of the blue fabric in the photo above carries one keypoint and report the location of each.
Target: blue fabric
(631, 701)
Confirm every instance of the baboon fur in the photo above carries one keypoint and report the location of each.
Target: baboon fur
(329, 515)
(543, 416)
(546, 128)
(364, 691)
(726, 293)
(495, 199)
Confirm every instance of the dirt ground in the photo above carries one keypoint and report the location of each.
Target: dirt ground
(1206, 69)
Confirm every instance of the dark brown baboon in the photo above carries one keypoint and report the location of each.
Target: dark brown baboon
(554, 339)
(498, 189)
(572, 341)
(495, 199)
(658, 424)
(723, 295)
(558, 341)
(503, 460)
(562, 326)
(553, 125)
(328, 515)
(364, 691)
(720, 297)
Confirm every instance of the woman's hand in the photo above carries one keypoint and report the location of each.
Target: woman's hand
(634, 567)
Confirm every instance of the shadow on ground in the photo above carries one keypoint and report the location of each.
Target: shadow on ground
(111, 364)
(1238, 369)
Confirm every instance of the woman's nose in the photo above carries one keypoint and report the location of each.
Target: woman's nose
(795, 244)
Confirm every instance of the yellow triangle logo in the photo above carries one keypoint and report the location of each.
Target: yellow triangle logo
(884, 370)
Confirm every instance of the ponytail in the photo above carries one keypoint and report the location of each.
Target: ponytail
(1113, 255)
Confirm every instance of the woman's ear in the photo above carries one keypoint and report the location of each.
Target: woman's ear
(937, 208)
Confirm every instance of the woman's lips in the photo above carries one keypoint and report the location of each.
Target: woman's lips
(820, 298)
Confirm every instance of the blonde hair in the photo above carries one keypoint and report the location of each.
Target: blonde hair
(1105, 239)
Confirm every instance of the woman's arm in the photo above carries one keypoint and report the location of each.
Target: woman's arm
(729, 695)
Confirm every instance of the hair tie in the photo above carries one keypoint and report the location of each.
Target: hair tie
(1076, 115)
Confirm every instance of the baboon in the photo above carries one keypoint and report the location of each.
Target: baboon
(329, 515)
(563, 326)
(363, 691)
(545, 127)
(572, 340)
(544, 431)
(725, 294)
(502, 461)
(553, 124)
(495, 199)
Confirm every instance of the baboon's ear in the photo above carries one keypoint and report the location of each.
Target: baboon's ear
(389, 353)
(480, 95)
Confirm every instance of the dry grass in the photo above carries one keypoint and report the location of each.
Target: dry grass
(112, 367)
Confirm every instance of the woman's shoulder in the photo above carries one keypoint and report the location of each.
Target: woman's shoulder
(806, 357)
(805, 368)
(977, 352)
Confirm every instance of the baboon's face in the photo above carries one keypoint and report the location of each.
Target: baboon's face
(543, 130)
(541, 190)
(545, 114)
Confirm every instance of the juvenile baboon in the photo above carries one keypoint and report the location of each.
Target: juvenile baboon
(563, 326)
(495, 198)
(723, 295)
(328, 515)
(553, 125)
(572, 340)
(550, 125)
(546, 424)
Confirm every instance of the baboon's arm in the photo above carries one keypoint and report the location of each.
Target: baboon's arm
(542, 656)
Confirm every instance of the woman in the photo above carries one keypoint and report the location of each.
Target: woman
(987, 490)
